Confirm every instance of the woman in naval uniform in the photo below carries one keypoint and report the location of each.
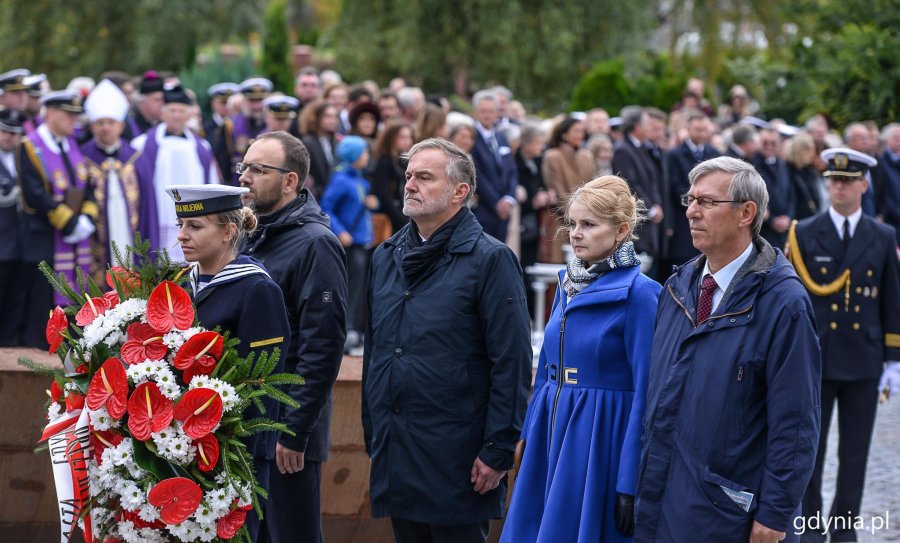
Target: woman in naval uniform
(233, 292)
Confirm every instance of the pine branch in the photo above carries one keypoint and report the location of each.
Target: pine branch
(37, 367)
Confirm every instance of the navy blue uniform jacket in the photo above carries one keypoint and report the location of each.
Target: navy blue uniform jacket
(251, 308)
(446, 373)
(859, 326)
(731, 403)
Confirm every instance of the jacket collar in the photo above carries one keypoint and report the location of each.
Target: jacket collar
(749, 279)
(462, 241)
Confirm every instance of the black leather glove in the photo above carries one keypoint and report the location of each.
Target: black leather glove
(625, 514)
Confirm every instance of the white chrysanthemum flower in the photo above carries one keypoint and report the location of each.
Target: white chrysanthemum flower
(127, 531)
(148, 513)
(206, 531)
(114, 338)
(131, 497)
(54, 411)
(205, 514)
(220, 500)
(100, 419)
(200, 381)
(168, 384)
(161, 438)
(121, 453)
(183, 531)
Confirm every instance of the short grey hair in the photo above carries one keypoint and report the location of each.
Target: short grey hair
(631, 117)
(483, 95)
(460, 167)
(746, 184)
(529, 133)
(741, 133)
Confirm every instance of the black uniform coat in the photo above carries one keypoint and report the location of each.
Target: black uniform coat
(681, 161)
(249, 305)
(320, 168)
(634, 164)
(782, 198)
(305, 258)
(446, 374)
(10, 224)
(858, 332)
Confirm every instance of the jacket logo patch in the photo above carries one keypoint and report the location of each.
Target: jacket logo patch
(327, 297)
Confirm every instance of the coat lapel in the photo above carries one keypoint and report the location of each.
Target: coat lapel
(858, 243)
(828, 237)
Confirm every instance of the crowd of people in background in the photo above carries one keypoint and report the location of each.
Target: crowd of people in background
(149, 132)
(335, 173)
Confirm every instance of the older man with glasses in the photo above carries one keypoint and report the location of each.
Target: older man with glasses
(732, 419)
(300, 252)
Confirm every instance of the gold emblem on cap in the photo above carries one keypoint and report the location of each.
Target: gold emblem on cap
(175, 195)
(841, 160)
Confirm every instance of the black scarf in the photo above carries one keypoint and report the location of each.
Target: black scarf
(421, 256)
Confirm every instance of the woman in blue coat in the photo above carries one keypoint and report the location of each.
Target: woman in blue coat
(234, 293)
(582, 432)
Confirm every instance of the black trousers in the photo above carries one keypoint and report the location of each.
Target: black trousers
(262, 477)
(409, 531)
(857, 404)
(357, 277)
(294, 512)
(12, 299)
(37, 305)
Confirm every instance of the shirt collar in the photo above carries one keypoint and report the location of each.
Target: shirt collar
(724, 276)
(634, 141)
(692, 147)
(50, 139)
(485, 133)
(838, 220)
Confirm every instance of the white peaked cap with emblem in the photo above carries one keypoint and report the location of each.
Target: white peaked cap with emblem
(106, 101)
(198, 200)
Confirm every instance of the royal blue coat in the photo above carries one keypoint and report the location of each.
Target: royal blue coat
(583, 427)
(732, 403)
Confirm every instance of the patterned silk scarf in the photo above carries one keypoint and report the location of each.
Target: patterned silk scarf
(577, 276)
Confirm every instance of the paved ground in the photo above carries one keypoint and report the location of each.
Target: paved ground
(881, 499)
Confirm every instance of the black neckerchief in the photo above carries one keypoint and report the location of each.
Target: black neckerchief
(421, 256)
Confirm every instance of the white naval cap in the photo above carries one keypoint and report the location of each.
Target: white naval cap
(198, 200)
(845, 162)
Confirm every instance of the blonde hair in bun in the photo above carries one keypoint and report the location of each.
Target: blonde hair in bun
(244, 221)
(609, 197)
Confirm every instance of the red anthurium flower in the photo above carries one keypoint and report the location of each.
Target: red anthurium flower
(169, 306)
(74, 400)
(144, 343)
(109, 388)
(207, 452)
(112, 297)
(128, 280)
(55, 328)
(201, 411)
(102, 440)
(177, 499)
(148, 411)
(93, 308)
(228, 526)
(56, 392)
(200, 354)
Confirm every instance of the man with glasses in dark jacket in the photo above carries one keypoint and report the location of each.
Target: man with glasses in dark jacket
(295, 243)
(732, 420)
